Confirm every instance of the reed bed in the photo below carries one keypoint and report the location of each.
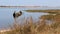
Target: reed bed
(39, 27)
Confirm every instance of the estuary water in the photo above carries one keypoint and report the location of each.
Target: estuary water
(6, 15)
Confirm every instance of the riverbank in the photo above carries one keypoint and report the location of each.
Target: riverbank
(39, 27)
(4, 30)
(46, 11)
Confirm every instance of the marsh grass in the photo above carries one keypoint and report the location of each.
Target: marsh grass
(45, 11)
(30, 27)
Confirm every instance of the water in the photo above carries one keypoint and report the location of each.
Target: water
(6, 15)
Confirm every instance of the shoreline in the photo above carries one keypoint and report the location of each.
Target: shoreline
(5, 30)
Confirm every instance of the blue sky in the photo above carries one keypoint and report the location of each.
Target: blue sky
(30, 2)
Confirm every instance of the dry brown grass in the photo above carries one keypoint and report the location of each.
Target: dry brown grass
(35, 28)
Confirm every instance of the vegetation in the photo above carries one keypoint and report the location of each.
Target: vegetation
(36, 28)
(46, 11)
(39, 27)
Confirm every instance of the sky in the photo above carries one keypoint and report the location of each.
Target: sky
(30, 3)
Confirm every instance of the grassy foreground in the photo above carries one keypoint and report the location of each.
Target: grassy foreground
(39, 27)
